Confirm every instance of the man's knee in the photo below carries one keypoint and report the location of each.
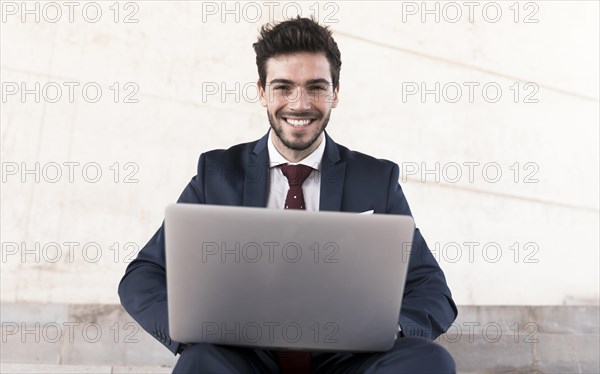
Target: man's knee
(434, 358)
(416, 355)
(441, 360)
(199, 356)
(211, 358)
(194, 351)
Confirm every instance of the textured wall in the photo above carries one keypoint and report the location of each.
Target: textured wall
(528, 108)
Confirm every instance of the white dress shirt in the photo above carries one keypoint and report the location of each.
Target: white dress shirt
(278, 183)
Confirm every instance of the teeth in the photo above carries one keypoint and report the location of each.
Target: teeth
(295, 122)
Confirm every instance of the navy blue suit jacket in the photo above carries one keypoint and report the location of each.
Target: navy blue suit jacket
(350, 181)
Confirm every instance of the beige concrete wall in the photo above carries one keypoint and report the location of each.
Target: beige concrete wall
(527, 236)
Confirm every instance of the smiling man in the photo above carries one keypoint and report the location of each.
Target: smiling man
(299, 68)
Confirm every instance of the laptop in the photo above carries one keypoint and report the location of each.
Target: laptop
(285, 279)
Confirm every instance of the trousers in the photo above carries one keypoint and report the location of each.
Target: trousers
(408, 355)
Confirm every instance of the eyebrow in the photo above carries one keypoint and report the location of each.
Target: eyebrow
(310, 81)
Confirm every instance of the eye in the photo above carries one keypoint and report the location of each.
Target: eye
(282, 88)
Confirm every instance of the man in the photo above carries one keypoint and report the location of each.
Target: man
(299, 66)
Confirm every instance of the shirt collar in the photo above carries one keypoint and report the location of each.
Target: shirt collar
(313, 160)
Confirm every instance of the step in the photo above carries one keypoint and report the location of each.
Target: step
(103, 338)
(7, 368)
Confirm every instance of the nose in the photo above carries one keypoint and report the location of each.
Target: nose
(299, 101)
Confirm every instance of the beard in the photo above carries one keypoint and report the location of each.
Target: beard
(296, 144)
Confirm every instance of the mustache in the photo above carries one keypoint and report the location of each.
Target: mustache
(300, 115)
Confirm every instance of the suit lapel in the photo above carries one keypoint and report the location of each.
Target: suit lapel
(256, 175)
(333, 172)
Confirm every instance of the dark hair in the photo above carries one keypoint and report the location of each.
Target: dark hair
(296, 35)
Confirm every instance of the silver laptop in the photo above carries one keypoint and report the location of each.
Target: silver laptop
(285, 279)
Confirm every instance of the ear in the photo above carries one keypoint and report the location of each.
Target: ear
(335, 96)
(261, 94)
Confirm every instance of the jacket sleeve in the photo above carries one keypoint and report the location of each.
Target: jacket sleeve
(427, 306)
(143, 288)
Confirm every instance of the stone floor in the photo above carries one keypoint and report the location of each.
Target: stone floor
(58, 338)
(82, 369)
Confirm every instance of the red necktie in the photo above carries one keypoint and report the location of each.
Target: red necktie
(295, 362)
(296, 175)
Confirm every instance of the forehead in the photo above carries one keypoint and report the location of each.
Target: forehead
(298, 67)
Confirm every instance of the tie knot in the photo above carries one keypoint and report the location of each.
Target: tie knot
(296, 174)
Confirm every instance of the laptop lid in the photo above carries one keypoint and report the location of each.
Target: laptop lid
(286, 279)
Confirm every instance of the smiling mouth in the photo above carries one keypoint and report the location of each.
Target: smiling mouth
(299, 122)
